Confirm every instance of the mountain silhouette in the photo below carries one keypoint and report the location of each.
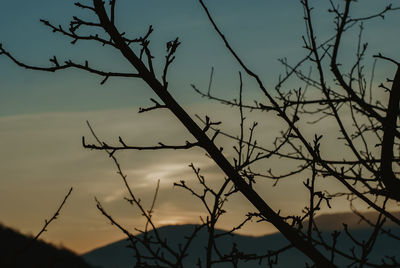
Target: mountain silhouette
(21, 251)
(120, 255)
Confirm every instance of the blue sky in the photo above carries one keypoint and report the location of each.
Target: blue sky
(42, 115)
(273, 30)
(261, 31)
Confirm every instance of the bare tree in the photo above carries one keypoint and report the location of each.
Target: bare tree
(365, 117)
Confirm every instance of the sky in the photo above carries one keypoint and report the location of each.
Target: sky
(43, 115)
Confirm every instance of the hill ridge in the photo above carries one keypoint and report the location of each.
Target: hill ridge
(117, 254)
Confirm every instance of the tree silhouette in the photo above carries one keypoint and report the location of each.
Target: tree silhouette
(366, 122)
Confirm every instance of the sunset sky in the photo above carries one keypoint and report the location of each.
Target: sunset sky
(43, 115)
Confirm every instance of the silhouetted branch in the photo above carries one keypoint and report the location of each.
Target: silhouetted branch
(55, 215)
(113, 149)
(67, 64)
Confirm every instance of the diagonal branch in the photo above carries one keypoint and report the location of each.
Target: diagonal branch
(291, 234)
(55, 215)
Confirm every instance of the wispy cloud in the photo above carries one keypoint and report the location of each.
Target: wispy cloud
(42, 156)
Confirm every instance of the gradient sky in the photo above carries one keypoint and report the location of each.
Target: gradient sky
(42, 115)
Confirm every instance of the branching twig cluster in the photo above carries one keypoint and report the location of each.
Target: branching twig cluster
(368, 170)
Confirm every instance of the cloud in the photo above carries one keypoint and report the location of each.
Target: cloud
(42, 157)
